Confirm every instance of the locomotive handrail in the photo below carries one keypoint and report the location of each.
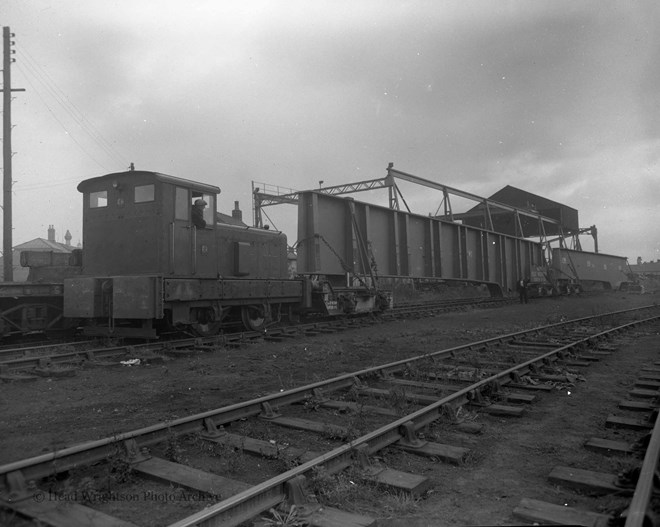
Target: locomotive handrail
(193, 248)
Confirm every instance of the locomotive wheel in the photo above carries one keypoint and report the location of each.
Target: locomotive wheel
(253, 317)
(207, 322)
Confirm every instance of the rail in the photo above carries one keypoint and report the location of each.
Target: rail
(637, 514)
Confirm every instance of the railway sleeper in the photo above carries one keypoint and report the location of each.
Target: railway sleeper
(450, 388)
(73, 515)
(395, 479)
(548, 513)
(297, 423)
(399, 480)
(477, 400)
(643, 394)
(18, 377)
(596, 483)
(531, 387)
(169, 472)
(615, 421)
(637, 406)
(32, 502)
(650, 384)
(314, 514)
(612, 448)
(448, 453)
(344, 406)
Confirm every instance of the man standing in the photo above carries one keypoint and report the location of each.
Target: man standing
(522, 290)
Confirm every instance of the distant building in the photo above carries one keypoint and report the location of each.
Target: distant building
(236, 217)
(38, 245)
(505, 222)
(646, 268)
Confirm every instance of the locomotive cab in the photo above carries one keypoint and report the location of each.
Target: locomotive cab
(140, 222)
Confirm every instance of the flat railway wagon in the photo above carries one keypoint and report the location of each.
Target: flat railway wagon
(30, 308)
(340, 237)
(147, 266)
(36, 305)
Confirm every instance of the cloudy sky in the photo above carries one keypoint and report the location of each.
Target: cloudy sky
(560, 98)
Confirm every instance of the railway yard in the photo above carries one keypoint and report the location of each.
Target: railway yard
(385, 370)
(150, 448)
(444, 358)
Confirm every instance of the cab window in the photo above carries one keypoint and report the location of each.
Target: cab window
(98, 199)
(144, 193)
(181, 204)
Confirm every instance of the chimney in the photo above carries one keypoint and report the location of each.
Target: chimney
(51, 233)
(67, 239)
(237, 214)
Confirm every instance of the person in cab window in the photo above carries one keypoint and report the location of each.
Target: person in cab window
(198, 214)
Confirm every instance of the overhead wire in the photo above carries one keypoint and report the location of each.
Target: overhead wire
(31, 70)
(71, 108)
(51, 184)
(64, 127)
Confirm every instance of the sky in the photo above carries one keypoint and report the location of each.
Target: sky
(559, 98)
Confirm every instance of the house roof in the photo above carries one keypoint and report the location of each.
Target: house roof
(41, 244)
(229, 220)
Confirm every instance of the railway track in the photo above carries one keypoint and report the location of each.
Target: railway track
(299, 438)
(61, 359)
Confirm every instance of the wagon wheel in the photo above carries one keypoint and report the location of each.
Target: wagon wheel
(207, 324)
(294, 316)
(207, 329)
(253, 317)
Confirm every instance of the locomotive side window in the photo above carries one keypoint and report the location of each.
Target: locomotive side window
(98, 199)
(181, 204)
(144, 193)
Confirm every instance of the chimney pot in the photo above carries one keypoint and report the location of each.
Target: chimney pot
(237, 214)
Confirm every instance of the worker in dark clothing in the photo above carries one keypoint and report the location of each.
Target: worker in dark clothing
(198, 214)
(522, 290)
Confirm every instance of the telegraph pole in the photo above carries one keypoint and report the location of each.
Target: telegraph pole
(7, 246)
